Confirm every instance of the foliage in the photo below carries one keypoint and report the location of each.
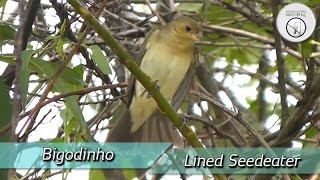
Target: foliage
(63, 54)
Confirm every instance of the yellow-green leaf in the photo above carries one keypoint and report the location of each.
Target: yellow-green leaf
(100, 59)
(24, 76)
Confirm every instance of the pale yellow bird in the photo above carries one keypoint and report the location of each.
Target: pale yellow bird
(168, 54)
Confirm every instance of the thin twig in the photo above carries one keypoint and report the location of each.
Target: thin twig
(29, 129)
(236, 116)
(216, 129)
(155, 12)
(77, 92)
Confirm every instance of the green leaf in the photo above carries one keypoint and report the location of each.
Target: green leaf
(10, 59)
(59, 47)
(57, 140)
(73, 76)
(62, 86)
(216, 14)
(69, 75)
(24, 76)
(5, 114)
(100, 59)
(66, 115)
(295, 177)
(2, 2)
(46, 174)
(310, 134)
(71, 125)
(79, 70)
(193, 7)
(266, 8)
(5, 110)
(243, 55)
(306, 48)
(129, 173)
(7, 32)
(305, 2)
(294, 64)
(255, 28)
(96, 174)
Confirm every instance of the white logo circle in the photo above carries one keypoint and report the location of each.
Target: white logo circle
(296, 22)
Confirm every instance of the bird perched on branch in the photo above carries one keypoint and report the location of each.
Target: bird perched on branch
(166, 56)
(169, 51)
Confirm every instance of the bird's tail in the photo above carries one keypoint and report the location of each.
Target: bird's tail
(120, 132)
(157, 128)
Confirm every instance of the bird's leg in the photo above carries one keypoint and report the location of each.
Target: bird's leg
(157, 86)
(183, 123)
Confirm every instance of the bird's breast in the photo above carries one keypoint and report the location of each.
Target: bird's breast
(167, 66)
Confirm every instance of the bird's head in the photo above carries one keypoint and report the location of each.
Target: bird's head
(186, 29)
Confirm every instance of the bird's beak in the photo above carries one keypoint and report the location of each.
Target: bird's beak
(196, 37)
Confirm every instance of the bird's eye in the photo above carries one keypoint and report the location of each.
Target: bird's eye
(188, 28)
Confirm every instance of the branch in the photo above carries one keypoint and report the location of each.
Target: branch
(263, 69)
(254, 36)
(310, 73)
(236, 116)
(280, 64)
(297, 119)
(295, 92)
(155, 12)
(248, 10)
(78, 92)
(215, 128)
(212, 87)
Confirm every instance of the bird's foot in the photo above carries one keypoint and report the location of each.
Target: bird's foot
(183, 123)
(157, 86)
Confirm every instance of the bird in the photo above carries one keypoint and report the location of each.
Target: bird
(169, 57)
(168, 52)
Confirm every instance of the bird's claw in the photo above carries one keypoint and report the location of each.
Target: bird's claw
(157, 86)
(183, 123)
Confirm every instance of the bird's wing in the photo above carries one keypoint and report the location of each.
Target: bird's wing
(155, 130)
(185, 84)
(132, 80)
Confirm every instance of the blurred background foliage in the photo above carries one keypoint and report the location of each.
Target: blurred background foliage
(238, 68)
